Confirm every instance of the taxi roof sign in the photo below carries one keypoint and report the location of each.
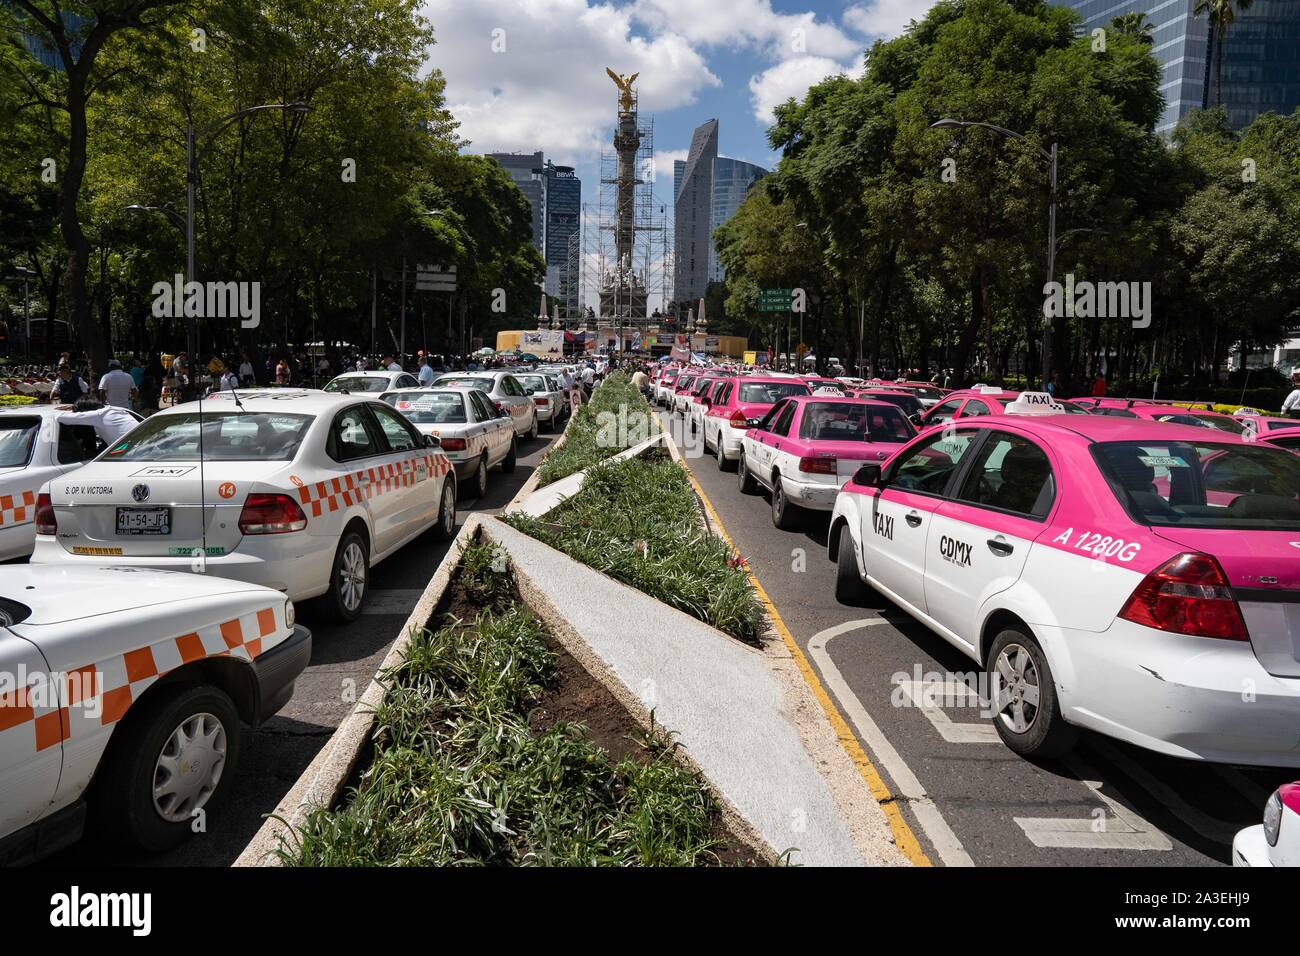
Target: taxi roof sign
(988, 389)
(1035, 403)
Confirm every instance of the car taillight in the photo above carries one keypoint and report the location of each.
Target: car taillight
(817, 466)
(738, 419)
(1188, 594)
(46, 523)
(271, 514)
(542, 401)
(453, 444)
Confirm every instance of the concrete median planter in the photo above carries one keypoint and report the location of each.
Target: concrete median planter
(743, 716)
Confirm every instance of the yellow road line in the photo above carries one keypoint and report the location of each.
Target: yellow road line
(904, 838)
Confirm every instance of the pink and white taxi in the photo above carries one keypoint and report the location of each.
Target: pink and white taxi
(301, 491)
(737, 403)
(1276, 841)
(807, 446)
(1138, 578)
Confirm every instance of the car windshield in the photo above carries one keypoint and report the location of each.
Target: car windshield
(357, 383)
(769, 393)
(533, 381)
(17, 436)
(234, 436)
(849, 421)
(1223, 423)
(466, 381)
(1205, 485)
(430, 408)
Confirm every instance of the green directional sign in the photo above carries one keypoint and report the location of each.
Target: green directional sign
(774, 300)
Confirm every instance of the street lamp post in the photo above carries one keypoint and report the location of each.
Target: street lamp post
(1051, 156)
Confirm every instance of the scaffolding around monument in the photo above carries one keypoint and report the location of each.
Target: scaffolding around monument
(626, 273)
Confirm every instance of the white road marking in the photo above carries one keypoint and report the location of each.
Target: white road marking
(1126, 830)
(906, 784)
(1207, 826)
(392, 601)
(922, 695)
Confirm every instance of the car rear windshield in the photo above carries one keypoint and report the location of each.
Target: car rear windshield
(769, 393)
(17, 436)
(1205, 485)
(430, 408)
(848, 421)
(533, 381)
(910, 404)
(233, 436)
(467, 381)
(357, 383)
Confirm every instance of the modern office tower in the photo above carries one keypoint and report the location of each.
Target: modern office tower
(528, 172)
(1261, 56)
(693, 215)
(563, 192)
(732, 180)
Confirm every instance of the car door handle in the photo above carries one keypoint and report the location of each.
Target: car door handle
(1000, 547)
(913, 519)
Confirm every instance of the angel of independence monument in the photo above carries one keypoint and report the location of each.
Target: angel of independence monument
(626, 261)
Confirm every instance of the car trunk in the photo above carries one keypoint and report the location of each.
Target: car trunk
(112, 512)
(1263, 568)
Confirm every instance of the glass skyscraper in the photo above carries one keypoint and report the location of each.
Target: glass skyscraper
(1261, 56)
(563, 220)
(732, 179)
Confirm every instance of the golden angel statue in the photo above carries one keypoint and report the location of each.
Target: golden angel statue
(624, 83)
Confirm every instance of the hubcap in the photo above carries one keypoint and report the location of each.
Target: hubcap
(1016, 688)
(189, 767)
(448, 509)
(352, 576)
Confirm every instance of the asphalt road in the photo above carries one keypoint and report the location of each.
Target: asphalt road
(343, 660)
(966, 796)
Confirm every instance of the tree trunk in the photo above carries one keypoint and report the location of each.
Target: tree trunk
(85, 324)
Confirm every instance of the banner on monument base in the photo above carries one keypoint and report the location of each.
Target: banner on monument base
(545, 345)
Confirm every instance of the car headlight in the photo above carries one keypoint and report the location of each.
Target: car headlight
(290, 615)
(1273, 818)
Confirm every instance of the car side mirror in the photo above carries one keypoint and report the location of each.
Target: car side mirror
(706, 401)
(502, 413)
(915, 419)
(432, 441)
(867, 475)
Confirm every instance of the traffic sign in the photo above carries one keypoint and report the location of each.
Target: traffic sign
(435, 278)
(774, 300)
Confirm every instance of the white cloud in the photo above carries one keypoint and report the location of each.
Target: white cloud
(885, 18)
(747, 23)
(664, 159)
(547, 88)
(792, 78)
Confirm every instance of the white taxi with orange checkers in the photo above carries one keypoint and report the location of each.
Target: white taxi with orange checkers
(301, 491)
(34, 448)
(472, 433)
(1138, 578)
(121, 695)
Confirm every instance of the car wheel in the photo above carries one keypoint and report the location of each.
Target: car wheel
(445, 528)
(481, 478)
(1023, 694)
(172, 761)
(512, 457)
(532, 431)
(748, 485)
(349, 578)
(784, 515)
(849, 587)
